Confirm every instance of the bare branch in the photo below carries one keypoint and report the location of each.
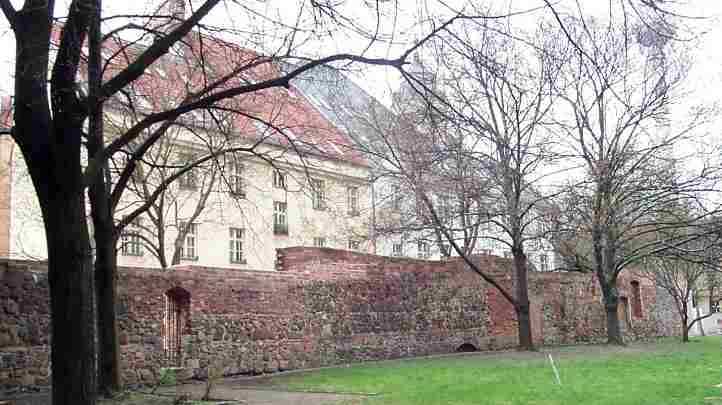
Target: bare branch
(9, 12)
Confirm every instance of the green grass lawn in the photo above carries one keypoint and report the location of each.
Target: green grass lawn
(659, 374)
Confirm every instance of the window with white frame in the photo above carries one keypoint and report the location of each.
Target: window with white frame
(236, 237)
(353, 244)
(318, 194)
(188, 180)
(446, 207)
(189, 248)
(237, 181)
(396, 197)
(279, 179)
(445, 249)
(543, 262)
(280, 223)
(130, 239)
(319, 241)
(397, 249)
(352, 195)
(424, 250)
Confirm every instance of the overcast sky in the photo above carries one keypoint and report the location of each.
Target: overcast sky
(702, 29)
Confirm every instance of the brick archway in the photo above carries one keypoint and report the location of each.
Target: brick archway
(175, 321)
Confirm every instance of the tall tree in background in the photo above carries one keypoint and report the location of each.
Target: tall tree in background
(467, 140)
(502, 91)
(618, 97)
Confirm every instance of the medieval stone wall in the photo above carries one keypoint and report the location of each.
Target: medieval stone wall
(322, 307)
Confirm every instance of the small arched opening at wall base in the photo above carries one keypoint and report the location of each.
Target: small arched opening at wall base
(467, 348)
(175, 321)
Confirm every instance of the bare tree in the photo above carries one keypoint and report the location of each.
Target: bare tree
(465, 143)
(501, 92)
(683, 277)
(618, 97)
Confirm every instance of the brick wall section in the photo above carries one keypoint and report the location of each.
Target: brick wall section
(323, 307)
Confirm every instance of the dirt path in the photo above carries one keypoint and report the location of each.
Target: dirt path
(224, 394)
(229, 389)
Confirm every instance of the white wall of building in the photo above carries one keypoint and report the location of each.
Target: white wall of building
(711, 325)
(254, 213)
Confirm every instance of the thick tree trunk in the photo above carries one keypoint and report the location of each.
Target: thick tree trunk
(524, 327)
(109, 380)
(70, 271)
(684, 318)
(611, 306)
(522, 301)
(51, 149)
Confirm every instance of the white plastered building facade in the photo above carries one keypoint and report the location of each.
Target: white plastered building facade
(270, 215)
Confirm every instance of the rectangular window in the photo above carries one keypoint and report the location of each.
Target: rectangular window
(131, 242)
(237, 181)
(189, 249)
(353, 207)
(188, 180)
(446, 208)
(397, 249)
(713, 307)
(280, 224)
(319, 242)
(424, 251)
(279, 179)
(236, 245)
(543, 262)
(445, 249)
(353, 244)
(318, 194)
(396, 197)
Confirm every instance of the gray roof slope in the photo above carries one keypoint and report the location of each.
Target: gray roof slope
(344, 103)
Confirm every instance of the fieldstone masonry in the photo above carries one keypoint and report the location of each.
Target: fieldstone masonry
(322, 307)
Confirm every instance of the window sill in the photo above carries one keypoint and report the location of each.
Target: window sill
(190, 259)
(132, 254)
(238, 196)
(239, 262)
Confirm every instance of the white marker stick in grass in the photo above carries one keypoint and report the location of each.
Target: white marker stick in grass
(554, 368)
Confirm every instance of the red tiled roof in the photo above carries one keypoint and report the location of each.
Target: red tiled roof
(165, 83)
